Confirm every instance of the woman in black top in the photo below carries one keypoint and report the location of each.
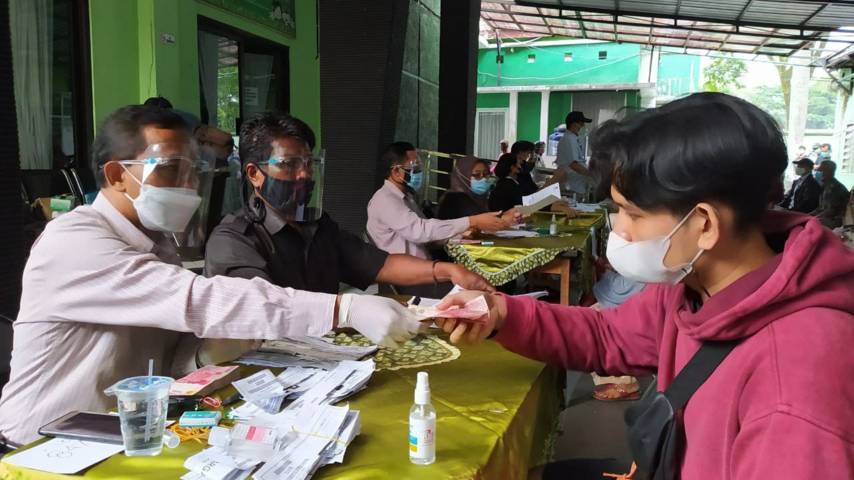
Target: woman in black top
(469, 192)
(507, 193)
(524, 152)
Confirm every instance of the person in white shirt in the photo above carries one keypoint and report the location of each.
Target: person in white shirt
(103, 289)
(395, 222)
(572, 171)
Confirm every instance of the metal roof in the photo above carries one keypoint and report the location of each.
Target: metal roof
(745, 27)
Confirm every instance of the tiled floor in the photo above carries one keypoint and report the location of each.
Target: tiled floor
(593, 429)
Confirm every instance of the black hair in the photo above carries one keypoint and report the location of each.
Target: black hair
(601, 162)
(120, 136)
(258, 132)
(522, 146)
(158, 102)
(505, 164)
(395, 154)
(704, 147)
(831, 165)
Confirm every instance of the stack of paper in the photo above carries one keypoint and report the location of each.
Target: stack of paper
(309, 433)
(263, 390)
(204, 381)
(313, 348)
(319, 435)
(337, 384)
(539, 200)
(280, 360)
(304, 352)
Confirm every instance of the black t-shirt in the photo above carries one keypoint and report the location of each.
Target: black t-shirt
(315, 259)
(505, 195)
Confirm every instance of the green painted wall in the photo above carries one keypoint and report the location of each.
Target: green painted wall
(528, 116)
(130, 63)
(493, 100)
(560, 103)
(678, 74)
(549, 67)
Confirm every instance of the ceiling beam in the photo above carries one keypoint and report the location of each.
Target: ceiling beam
(610, 11)
(810, 37)
(813, 14)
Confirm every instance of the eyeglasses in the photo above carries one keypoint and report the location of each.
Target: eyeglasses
(479, 175)
(291, 165)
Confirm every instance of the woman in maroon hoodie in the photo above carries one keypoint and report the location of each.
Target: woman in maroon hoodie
(691, 180)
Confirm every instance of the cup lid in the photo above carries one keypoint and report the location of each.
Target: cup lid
(141, 384)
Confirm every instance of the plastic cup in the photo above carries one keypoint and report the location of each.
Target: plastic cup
(143, 403)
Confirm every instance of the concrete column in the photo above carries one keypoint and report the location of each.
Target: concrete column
(511, 117)
(544, 115)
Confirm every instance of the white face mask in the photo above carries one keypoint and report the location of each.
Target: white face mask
(643, 261)
(800, 171)
(164, 209)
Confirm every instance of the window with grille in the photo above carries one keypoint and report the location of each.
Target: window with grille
(846, 164)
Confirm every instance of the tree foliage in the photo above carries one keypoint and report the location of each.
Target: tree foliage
(724, 75)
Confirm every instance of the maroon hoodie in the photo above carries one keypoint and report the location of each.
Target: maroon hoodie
(781, 405)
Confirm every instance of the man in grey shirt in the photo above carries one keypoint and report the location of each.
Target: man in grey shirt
(572, 171)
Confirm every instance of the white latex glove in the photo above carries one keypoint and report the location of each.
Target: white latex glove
(382, 320)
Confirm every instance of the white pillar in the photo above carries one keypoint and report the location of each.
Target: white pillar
(544, 115)
(511, 117)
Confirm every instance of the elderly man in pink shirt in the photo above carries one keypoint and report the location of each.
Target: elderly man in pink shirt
(395, 222)
(103, 290)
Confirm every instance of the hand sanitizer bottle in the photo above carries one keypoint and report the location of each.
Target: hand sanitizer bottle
(553, 226)
(422, 424)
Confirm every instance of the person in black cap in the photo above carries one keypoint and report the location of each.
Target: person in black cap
(805, 192)
(572, 170)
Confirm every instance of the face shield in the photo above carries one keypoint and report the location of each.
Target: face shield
(293, 186)
(170, 178)
(414, 174)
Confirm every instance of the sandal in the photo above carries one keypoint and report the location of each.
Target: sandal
(616, 392)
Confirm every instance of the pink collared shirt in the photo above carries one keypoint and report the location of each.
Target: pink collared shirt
(396, 224)
(100, 298)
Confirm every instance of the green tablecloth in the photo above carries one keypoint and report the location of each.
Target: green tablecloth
(496, 411)
(507, 258)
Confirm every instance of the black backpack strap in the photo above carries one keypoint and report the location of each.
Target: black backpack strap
(697, 371)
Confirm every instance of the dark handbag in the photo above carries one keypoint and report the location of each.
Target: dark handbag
(654, 423)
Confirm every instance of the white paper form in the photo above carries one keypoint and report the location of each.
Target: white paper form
(62, 455)
(259, 386)
(315, 428)
(352, 427)
(215, 463)
(347, 378)
(552, 190)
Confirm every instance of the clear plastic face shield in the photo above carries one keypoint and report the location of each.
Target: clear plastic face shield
(293, 185)
(174, 188)
(413, 169)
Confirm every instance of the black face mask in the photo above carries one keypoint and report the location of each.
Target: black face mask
(286, 195)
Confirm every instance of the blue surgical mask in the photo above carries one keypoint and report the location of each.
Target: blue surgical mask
(819, 176)
(414, 179)
(480, 186)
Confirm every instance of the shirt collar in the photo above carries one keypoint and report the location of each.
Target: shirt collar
(272, 222)
(122, 226)
(390, 186)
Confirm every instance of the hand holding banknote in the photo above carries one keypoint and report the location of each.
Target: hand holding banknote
(455, 315)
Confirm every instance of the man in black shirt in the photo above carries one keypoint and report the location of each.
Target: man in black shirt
(282, 234)
(805, 192)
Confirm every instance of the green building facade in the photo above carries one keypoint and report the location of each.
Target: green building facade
(529, 93)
